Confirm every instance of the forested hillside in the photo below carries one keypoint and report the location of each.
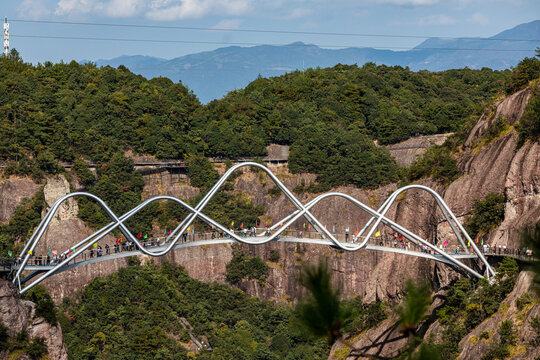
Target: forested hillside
(329, 117)
(136, 314)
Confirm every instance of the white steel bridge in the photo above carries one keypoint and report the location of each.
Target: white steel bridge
(75, 256)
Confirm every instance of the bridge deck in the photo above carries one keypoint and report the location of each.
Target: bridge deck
(86, 259)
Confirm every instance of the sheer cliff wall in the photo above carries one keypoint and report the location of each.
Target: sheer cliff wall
(498, 166)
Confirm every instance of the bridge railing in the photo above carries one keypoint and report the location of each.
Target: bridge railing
(383, 241)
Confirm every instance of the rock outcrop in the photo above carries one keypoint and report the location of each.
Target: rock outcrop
(496, 166)
(473, 346)
(12, 191)
(407, 151)
(511, 108)
(17, 315)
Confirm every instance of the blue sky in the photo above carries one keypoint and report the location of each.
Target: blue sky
(454, 18)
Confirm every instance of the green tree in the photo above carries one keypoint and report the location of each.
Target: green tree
(486, 215)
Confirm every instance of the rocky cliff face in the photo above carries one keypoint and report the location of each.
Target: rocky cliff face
(407, 151)
(386, 340)
(503, 168)
(473, 346)
(17, 315)
(497, 167)
(12, 191)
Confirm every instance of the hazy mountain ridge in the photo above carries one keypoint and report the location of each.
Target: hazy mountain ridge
(211, 74)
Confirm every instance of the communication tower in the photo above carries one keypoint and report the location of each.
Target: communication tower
(6, 37)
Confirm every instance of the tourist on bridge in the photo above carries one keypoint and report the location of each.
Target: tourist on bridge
(99, 251)
(107, 249)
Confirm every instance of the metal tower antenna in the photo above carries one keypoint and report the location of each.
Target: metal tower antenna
(6, 37)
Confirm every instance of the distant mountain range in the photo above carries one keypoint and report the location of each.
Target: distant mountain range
(212, 74)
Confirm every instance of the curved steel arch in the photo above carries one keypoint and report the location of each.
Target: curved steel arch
(194, 212)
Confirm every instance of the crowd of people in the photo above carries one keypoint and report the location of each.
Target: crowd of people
(121, 245)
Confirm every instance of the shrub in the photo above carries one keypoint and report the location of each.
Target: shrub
(535, 324)
(436, 162)
(484, 335)
(243, 267)
(496, 128)
(524, 300)
(274, 191)
(184, 336)
(37, 348)
(363, 316)
(201, 171)
(274, 256)
(527, 69)
(83, 172)
(486, 215)
(508, 333)
(528, 127)
(4, 337)
(469, 303)
(133, 261)
(44, 304)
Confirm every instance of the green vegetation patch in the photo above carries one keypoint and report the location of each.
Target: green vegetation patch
(437, 163)
(486, 215)
(245, 267)
(528, 127)
(469, 303)
(135, 314)
(527, 69)
(331, 118)
(21, 345)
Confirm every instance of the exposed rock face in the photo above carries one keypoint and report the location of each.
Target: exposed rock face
(484, 173)
(66, 228)
(165, 183)
(56, 187)
(511, 108)
(473, 347)
(277, 153)
(522, 191)
(494, 167)
(18, 315)
(12, 192)
(500, 167)
(407, 151)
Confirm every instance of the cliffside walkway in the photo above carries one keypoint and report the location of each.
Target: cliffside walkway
(366, 238)
(40, 263)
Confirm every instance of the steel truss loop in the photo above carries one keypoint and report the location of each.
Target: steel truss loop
(377, 217)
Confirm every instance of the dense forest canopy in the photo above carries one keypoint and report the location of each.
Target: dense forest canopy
(330, 117)
(136, 313)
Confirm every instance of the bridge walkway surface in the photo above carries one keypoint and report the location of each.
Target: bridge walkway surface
(40, 263)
